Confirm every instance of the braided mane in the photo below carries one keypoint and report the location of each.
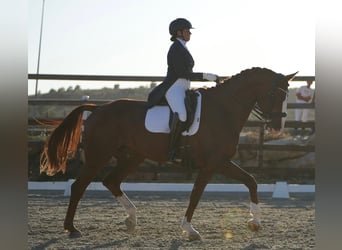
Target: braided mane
(244, 74)
(240, 77)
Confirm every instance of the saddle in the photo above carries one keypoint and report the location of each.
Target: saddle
(159, 116)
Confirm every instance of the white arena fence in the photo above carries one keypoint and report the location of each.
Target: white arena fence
(278, 190)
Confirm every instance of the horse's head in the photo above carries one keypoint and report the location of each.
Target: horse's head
(272, 105)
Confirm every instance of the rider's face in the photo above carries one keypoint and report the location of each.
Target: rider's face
(184, 34)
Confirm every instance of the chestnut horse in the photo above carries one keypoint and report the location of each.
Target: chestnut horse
(117, 129)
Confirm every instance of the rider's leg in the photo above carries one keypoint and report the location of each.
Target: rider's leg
(175, 134)
(175, 97)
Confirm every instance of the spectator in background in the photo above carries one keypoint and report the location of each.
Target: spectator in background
(304, 94)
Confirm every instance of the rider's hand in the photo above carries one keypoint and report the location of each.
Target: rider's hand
(210, 77)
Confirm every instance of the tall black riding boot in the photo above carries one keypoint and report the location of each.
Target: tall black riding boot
(175, 134)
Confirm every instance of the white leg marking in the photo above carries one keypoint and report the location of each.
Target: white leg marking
(255, 212)
(131, 219)
(187, 228)
(254, 223)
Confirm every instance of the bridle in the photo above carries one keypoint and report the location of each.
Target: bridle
(268, 116)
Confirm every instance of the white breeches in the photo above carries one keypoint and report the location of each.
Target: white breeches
(301, 115)
(175, 96)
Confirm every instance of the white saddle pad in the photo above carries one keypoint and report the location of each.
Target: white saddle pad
(157, 119)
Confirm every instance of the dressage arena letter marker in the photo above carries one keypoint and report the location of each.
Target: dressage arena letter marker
(67, 190)
(281, 190)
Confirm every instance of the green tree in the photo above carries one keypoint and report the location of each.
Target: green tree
(61, 90)
(152, 85)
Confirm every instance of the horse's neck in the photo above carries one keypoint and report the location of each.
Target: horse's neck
(246, 101)
(239, 98)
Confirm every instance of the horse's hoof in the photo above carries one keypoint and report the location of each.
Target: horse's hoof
(74, 233)
(194, 236)
(187, 229)
(130, 224)
(253, 225)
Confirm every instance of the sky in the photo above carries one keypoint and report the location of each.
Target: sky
(130, 37)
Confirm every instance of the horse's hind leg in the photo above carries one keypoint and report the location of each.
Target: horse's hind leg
(77, 190)
(235, 172)
(126, 163)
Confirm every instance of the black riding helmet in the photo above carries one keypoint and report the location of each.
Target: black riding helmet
(178, 24)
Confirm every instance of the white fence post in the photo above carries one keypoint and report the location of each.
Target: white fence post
(67, 190)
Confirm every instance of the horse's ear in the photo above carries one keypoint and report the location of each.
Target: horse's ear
(291, 76)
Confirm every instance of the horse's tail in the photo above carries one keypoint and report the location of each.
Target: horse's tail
(63, 141)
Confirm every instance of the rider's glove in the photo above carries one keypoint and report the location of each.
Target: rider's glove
(210, 77)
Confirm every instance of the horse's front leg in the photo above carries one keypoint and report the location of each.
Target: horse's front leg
(196, 193)
(232, 170)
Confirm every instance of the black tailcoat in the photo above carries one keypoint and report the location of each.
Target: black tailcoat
(180, 64)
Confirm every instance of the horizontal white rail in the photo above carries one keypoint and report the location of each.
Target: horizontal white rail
(175, 187)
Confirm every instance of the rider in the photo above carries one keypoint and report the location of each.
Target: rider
(177, 80)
